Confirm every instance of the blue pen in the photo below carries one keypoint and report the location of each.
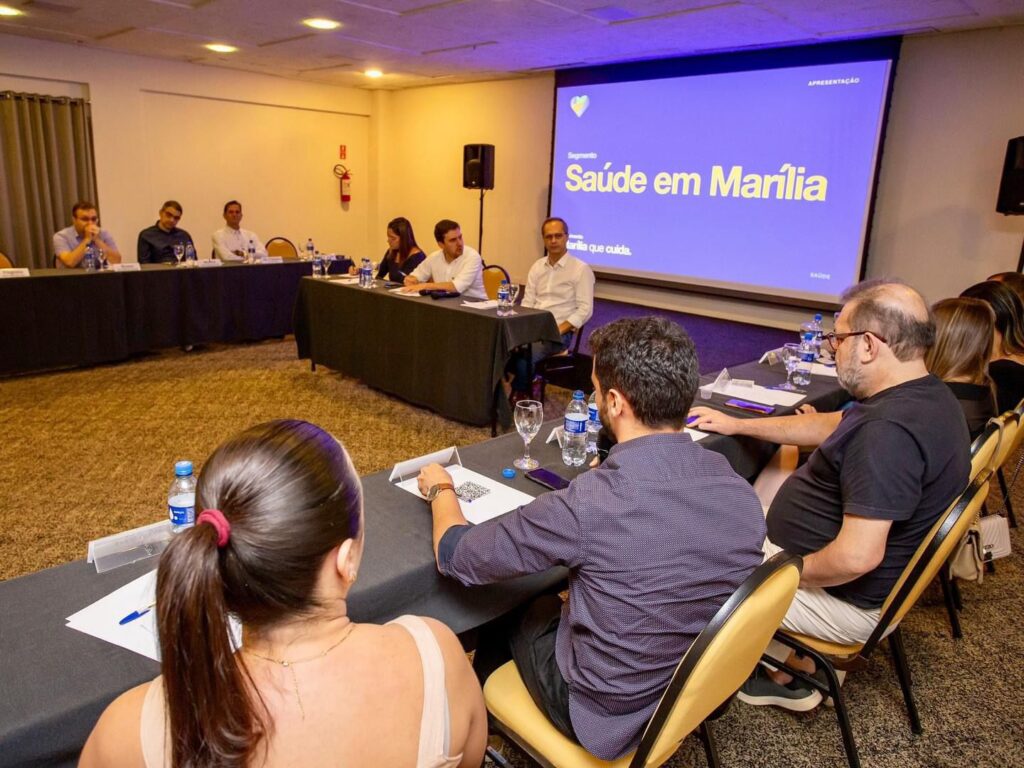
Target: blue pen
(136, 614)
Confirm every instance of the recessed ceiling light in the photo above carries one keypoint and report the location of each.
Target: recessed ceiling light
(373, 73)
(6, 10)
(322, 23)
(221, 48)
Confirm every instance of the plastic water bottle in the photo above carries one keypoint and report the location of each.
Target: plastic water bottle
(89, 260)
(309, 249)
(593, 423)
(574, 447)
(251, 252)
(181, 499)
(504, 299)
(365, 274)
(802, 376)
(190, 255)
(318, 265)
(814, 328)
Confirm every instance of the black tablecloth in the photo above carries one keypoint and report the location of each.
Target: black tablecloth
(61, 318)
(433, 353)
(56, 681)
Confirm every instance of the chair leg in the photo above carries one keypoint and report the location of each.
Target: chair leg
(312, 366)
(707, 738)
(899, 660)
(958, 600)
(951, 607)
(1006, 498)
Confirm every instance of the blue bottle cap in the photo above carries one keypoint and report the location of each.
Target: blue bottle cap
(183, 468)
(578, 395)
(508, 472)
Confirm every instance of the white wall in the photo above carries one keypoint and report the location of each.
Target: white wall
(202, 135)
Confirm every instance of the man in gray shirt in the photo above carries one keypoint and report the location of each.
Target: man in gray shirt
(655, 540)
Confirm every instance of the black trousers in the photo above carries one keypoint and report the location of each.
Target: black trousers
(527, 636)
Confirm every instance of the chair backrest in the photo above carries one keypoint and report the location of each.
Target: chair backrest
(948, 531)
(493, 275)
(721, 658)
(283, 247)
(983, 449)
(5, 263)
(1011, 423)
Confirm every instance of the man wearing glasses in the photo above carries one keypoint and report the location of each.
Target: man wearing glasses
(882, 473)
(156, 243)
(70, 244)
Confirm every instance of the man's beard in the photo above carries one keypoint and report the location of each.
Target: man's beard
(850, 378)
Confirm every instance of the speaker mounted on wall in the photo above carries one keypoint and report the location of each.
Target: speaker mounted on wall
(478, 166)
(1011, 186)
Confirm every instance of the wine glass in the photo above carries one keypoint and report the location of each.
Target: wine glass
(791, 359)
(513, 292)
(529, 416)
(179, 252)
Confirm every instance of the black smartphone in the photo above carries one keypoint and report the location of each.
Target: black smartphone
(548, 479)
(746, 405)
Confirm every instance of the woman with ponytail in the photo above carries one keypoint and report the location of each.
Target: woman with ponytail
(278, 545)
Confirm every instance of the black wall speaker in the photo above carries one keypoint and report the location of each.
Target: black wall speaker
(478, 166)
(1011, 188)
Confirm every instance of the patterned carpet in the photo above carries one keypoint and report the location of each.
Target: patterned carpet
(87, 453)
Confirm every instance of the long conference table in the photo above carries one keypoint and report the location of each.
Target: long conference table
(56, 681)
(433, 353)
(59, 318)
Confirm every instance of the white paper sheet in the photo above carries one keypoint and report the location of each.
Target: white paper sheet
(819, 369)
(399, 291)
(498, 500)
(101, 618)
(759, 394)
(487, 304)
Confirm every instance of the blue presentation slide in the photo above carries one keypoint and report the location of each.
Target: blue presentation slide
(758, 181)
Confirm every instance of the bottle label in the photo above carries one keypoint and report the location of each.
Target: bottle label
(593, 414)
(181, 515)
(575, 423)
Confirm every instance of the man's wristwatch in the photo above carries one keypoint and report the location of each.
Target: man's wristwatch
(436, 489)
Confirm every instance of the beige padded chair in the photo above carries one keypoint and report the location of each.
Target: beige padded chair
(493, 275)
(714, 667)
(283, 247)
(923, 567)
(1008, 447)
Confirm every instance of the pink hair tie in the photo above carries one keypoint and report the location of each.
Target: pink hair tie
(216, 518)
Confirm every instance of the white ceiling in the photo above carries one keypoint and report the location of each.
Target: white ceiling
(422, 42)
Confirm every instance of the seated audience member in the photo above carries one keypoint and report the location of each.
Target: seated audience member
(156, 243)
(278, 546)
(403, 254)
(883, 471)
(655, 540)
(454, 267)
(1007, 365)
(231, 242)
(960, 355)
(561, 284)
(1013, 279)
(70, 243)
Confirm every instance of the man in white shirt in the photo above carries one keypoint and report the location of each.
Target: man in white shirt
(452, 268)
(231, 242)
(564, 286)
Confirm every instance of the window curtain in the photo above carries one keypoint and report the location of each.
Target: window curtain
(46, 166)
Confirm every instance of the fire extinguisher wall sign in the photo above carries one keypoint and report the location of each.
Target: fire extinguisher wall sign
(345, 177)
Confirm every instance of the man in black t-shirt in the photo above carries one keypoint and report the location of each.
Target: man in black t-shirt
(883, 472)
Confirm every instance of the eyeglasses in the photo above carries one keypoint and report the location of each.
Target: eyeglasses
(835, 339)
(88, 218)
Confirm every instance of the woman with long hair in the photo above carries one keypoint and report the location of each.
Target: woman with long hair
(278, 545)
(1007, 365)
(964, 332)
(402, 255)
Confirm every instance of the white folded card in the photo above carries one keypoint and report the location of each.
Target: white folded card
(14, 272)
(409, 468)
(273, 260)
(209, 263)
(487, 304)
(127, 266)
(480, 497)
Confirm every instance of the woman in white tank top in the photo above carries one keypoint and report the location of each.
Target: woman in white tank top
(278, 545)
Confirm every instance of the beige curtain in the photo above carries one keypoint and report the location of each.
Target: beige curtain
(46, 165)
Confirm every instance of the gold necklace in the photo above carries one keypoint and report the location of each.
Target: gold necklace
(291, 664)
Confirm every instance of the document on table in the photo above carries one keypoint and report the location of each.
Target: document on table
(759, 394)
(102, 618)
(486, 304)
(399, 291)
(820, 369)
(480, 497)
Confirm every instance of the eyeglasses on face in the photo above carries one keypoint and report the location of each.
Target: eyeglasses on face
(835, 339)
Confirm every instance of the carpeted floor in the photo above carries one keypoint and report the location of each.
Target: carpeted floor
(87, 453)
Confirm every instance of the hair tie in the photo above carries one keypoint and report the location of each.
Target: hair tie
(220, 523)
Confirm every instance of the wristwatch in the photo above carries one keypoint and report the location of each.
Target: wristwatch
(436, 489)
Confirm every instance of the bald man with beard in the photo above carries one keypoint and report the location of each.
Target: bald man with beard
(883, 472)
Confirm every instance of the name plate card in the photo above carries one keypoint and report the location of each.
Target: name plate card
(209, 263)
(14, 272)
(273, 260)
(128, 266)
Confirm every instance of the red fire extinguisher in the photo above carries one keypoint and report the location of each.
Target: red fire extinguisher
(346, 182)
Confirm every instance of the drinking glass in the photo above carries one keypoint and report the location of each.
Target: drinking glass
(179, 252)
(791, 359)
(513, 292)
(529, 416)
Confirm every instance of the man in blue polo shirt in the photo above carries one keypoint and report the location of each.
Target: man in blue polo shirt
(70, 244)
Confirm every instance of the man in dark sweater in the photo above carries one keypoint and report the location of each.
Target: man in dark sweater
(883, 472)
(156, 243)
